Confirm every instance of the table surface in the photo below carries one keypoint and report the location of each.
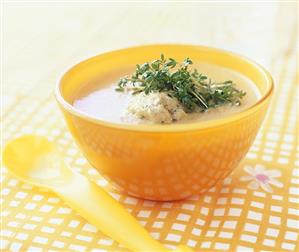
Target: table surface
(40, 41)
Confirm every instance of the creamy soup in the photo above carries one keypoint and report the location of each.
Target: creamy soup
(100, 100)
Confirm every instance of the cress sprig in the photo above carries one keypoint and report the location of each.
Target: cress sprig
(192, 89)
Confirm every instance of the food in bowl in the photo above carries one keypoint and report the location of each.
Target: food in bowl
(164, 91)
(163, 161)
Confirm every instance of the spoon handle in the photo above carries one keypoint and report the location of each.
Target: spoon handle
(101, 210)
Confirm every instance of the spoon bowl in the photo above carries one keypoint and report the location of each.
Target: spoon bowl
(35, 160)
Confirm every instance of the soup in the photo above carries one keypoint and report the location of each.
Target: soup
(99, 99)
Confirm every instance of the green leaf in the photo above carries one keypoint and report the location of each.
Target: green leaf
(194, 90)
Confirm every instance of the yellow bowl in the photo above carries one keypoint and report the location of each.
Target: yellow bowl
(164, 162)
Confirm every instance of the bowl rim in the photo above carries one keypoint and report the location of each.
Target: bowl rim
(168, 127)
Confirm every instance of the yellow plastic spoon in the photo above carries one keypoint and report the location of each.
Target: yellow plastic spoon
(35, 160)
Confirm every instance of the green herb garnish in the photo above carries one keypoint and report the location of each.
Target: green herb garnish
(192, 89)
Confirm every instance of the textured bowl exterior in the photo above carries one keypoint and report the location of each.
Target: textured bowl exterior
(166, 162)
